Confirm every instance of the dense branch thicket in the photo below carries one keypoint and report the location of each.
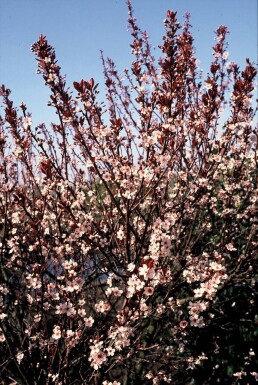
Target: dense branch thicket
(128, 236)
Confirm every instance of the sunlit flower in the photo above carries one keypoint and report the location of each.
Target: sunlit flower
(56, 333)
(89, 322)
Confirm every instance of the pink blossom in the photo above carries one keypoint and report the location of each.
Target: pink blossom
(230, 247)
(56, 333)
(148, 290)
(89, 322)
(102, 306)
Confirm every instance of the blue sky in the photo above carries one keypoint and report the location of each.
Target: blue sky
(78, 29)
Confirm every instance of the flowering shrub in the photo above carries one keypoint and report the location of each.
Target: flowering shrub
(129, 230)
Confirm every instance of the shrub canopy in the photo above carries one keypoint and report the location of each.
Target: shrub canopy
(129, 229)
